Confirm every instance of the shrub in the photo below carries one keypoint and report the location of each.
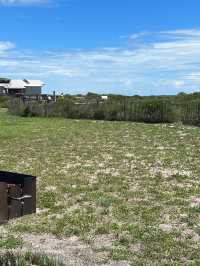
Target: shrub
(3, 101)
(165, 109)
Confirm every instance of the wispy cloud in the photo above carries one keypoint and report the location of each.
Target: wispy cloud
(24, 2)
(6, 46)
(162, 63)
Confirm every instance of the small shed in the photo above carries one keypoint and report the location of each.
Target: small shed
(17, 195)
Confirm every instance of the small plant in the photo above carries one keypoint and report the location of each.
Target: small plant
(10, 242)
(27, 259)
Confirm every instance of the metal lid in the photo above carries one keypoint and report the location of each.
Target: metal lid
(15, 178)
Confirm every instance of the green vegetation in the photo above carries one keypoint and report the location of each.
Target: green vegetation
(4, 101)
(183, 108)
(10, 241)
(27, 259)
(135, 183)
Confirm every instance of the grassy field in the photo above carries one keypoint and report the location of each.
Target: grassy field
(134, 185)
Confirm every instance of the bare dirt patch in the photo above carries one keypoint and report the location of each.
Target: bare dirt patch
(71, 251)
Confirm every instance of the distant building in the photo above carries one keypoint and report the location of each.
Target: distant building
(104, 97)
(20, 87)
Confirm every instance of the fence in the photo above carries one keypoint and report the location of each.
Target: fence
(120, 109)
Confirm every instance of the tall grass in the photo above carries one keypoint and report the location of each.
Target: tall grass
(27, 259)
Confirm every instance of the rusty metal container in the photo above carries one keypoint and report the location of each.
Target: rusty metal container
(17, 195)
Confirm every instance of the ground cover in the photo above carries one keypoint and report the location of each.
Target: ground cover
(128, 191)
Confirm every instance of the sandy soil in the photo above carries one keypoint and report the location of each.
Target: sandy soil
(71, 250)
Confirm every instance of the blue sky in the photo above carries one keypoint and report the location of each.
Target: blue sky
(106, 46)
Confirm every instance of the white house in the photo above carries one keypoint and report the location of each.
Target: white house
(104, 97)
(20, 87)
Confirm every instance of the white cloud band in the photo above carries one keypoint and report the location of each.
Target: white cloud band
(160, 63)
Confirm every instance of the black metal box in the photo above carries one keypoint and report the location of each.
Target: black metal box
(17, 195)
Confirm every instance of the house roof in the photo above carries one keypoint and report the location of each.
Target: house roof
(33, 83)
(4, 80)
(4, 85)
(21, 84)
(15, 84)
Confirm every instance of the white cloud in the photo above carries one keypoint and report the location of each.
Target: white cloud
(23, 2)
(5, 46)
(178, 83)
(163, 63)
(136, 36)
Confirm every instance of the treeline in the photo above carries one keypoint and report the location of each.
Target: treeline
(150, 109)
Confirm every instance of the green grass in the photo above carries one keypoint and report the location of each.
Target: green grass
(10, 241)
(137, 182)
(27, 259)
